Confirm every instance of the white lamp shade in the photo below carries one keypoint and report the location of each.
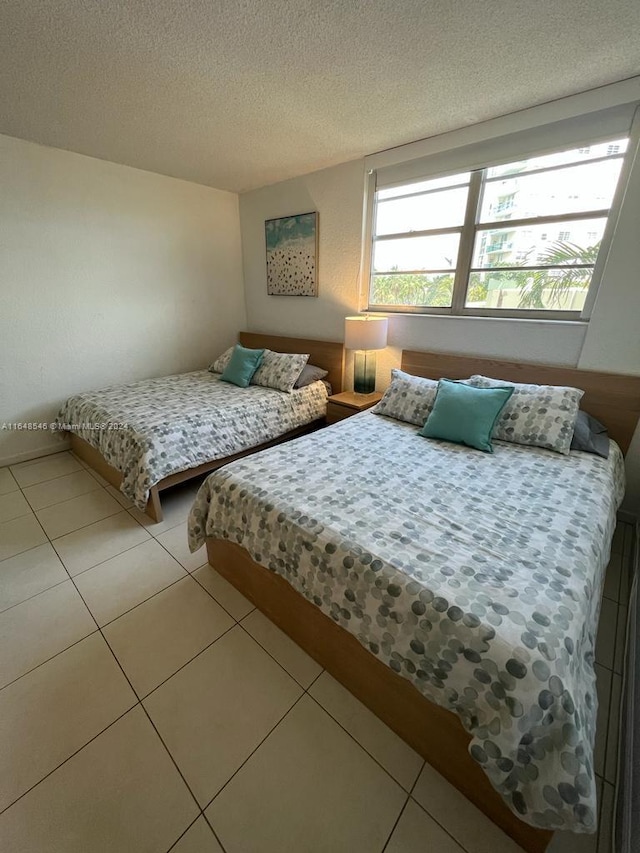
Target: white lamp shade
(365, 333)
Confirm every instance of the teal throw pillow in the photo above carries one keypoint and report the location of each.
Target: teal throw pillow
(242, 365)
(464, 416)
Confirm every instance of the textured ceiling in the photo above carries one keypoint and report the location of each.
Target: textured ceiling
(241, 93)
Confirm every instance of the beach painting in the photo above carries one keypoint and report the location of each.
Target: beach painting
(292, 255)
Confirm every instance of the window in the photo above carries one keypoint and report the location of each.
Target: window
(506, 239)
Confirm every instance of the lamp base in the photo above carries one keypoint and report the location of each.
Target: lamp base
(364, 372)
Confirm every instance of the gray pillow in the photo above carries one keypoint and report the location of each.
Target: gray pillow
(590, 436)
(310, 373)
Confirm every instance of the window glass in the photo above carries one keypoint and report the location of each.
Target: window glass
(425, 186)
(416, 254)
(560, 191)
(534, 290)
(421, 212)
(519, 237)
(565, 243)
(559, 158)
(433, 290)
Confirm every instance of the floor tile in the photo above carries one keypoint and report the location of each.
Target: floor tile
(621, 640)
(13, 505)
(100, 480)
(79, 459)
(46, 468)
(29, 573)
(605, 839)
(55, 710)
(606, 638)
(120, 793)
(224, 593)
(416, 832)
(611, 762)
(7, 482)
(176, 505)
(198, 839)
(156, 638)
(627, 564)
(37, 629)
(123, 500)
(19, 535)
(98, 542)
(175, 541)
(603, 685)
(397, 757)
(571, 842)
(612, 577)
(452, 810)
(216, 710)
(288, 654)
(117, 585)
(70, 515)
(61, 489)
(337, 798)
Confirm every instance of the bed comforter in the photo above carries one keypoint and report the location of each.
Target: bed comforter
(157, 427)
(477, 577)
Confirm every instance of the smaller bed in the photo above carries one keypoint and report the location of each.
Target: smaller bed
(147, 436)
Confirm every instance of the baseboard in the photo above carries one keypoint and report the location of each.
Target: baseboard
(27, 456)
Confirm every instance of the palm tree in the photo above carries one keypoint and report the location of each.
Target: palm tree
(546, 288)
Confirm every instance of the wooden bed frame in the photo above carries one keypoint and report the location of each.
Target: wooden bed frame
(435, 733)
(326, 354)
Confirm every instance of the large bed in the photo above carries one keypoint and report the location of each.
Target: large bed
(150, 435)
(429, 578)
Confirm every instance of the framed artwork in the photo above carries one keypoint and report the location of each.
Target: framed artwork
(292, 255)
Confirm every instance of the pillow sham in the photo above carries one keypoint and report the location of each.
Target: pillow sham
(310, 373)
(408, 398)
(536, 415)
(221, 362)
(242, 365)
(465, 414)
(279, 370)
(590, 436)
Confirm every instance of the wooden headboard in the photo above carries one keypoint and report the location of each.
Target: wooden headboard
(326, 354)
(612, 398)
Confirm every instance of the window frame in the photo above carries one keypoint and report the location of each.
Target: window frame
(471, 227)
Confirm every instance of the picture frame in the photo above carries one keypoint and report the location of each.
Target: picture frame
(292, 255)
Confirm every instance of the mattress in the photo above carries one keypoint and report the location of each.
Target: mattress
(157, 427)
(476, 576)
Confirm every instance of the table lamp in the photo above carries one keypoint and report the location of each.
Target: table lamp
(365, 334)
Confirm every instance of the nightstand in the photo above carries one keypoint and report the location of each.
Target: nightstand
(349, 403)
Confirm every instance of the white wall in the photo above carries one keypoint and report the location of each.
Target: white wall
(611, 341)
(107, 274)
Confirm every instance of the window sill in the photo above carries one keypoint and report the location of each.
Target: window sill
(475, 318)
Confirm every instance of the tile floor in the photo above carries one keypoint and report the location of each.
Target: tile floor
(145, 705)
